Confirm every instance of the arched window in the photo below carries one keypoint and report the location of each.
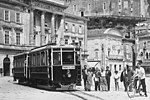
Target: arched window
(115, 67)
(146, 55)
(109, 51)
(96, 53)
(119, 67)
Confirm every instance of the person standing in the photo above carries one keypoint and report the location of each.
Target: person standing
(116, 79)
(108, 75)
(89, 80)
(123, 78)
(129, 76)
(84, 73)
(103, 81)
(141, 75)
(97, 76)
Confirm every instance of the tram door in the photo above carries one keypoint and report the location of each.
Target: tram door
(6, 66)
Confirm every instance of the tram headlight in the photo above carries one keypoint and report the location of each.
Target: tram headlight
(68, 73)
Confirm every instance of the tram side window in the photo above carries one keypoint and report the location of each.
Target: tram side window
(30, 62)
(49, 57)
(33, 59)
(57, 58)
(38, 59)
(17, 63)
(43, 58)
(68, 57)
(21, 62)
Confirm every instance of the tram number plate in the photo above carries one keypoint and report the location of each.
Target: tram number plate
(68, 67)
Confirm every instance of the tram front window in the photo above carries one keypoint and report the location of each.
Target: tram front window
(57, 58)
(68, 58)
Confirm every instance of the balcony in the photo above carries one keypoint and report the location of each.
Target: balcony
(115, 57)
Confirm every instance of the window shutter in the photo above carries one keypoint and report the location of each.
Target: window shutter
(1, 14)
(12, 35)
(1, 37)
(12, 16)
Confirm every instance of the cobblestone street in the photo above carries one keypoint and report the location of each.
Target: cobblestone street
(10, 90)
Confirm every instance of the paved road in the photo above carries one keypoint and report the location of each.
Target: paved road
(10, 90)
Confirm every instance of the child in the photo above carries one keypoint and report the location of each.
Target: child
(116, 78)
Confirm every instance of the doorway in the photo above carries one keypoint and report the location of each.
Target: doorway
(6, 66)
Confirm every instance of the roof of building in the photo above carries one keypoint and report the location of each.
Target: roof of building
(102, 32)
(75, 16)
(95, 32)
(54, 3)
(14, 2)
(119, 17)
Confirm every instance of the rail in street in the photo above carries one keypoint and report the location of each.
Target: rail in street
(10, 90)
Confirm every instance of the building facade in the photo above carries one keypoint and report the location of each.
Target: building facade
(143, 44)
(137, 8)
(118, 14)
(75, 32)
(105, 45)
(25, 24)
(12, 29)
(46, 22)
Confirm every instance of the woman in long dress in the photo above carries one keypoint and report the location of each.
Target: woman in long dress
(89, 80)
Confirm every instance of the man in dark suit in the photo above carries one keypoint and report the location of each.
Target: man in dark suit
(123, 78)
(84, 73)
(108, 75)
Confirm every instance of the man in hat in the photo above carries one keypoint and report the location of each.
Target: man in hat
(108, 75)
(123, 78)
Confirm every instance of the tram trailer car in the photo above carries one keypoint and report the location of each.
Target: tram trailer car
(20, 67)
(57, 67)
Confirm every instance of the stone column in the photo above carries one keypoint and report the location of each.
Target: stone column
(53, 28)
(42, 28)
(61, 40)
(31, 35)
(85, 36)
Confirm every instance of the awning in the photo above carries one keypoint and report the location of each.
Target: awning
(94, 64)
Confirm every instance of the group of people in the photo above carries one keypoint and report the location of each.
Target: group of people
(138, 74)
(102, 78)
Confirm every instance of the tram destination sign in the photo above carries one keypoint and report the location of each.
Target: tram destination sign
(68, 67)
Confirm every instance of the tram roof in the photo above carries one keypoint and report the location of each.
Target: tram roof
(52, 46)
(23, 53)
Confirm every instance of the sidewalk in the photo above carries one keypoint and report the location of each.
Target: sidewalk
(112, 85)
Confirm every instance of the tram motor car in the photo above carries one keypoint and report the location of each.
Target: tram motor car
(57, 67)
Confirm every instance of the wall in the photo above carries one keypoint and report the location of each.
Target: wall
(75, 35)
(112, 7)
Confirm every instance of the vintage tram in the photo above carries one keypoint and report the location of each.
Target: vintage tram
(57, 67)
